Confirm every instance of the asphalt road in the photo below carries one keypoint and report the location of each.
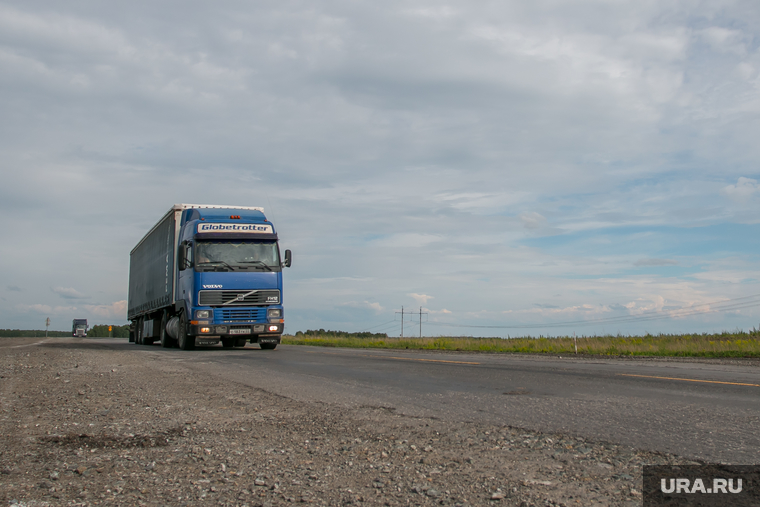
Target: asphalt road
(707, 410)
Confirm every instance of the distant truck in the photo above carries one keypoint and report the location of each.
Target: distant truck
(79, 327)
(205, 274)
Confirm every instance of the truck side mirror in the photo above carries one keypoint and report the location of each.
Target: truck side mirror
(288, 258)
(182, 260)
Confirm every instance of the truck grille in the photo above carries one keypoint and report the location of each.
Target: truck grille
(235, 297)
(242, 314)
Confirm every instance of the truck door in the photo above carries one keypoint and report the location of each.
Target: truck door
(186, 275)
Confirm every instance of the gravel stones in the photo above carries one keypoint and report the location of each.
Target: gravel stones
(151, 431)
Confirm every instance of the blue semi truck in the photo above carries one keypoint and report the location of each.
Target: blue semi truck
(206, 274)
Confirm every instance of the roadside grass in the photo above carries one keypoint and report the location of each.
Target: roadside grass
(726, 344)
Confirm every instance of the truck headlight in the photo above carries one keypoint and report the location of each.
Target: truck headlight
(202, 314)
(274, 313)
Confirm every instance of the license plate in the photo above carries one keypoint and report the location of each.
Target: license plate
(240, 331)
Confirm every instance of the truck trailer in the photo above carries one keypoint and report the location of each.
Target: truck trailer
(205, 274)
(79, 327)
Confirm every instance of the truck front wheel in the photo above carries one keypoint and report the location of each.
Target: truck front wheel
(185, 342)
(228, 342)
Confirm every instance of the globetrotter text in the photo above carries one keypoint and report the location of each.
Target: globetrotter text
(250, 228)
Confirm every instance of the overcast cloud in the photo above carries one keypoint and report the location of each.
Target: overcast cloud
(497, 163)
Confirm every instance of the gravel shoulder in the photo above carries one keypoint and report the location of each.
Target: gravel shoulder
(82, 424)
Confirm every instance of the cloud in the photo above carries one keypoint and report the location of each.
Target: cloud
(654, 303)
(68, 293)
(36, 308)
(43, 309)
(407, 240)
(116, 310)
(420, 298)
(374, 306)
(14, 288)
(724, 39)
(435, 13)
(532, 220)
(744, 189)
(655, 262)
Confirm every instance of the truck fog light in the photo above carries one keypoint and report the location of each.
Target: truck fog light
(205, 330)
(273, 328)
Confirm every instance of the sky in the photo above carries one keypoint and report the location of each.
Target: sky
(506, 168)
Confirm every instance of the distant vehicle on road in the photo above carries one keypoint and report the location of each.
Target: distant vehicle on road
(205, 274)
(79, 327)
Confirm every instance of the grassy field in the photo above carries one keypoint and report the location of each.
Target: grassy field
(736, 344)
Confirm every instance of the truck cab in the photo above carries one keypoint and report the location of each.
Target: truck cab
(79, 327)
(229, 279)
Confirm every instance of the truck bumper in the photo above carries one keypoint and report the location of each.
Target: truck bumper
(214, 340)
(241, 331)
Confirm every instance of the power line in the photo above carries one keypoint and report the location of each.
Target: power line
(718, 306)
(379, 325)
(391, 326)
(681, 315)
(581, 323)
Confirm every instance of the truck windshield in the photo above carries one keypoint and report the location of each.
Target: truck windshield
(237, 256)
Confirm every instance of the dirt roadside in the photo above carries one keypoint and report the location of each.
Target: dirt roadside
(82, 424)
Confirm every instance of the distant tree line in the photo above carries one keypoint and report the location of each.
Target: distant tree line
(96, 331)
(101, 331)
(31, 333)
(340, 334)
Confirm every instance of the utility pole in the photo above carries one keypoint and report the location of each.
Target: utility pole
(47, 325)
(402, 321)
(421, 312)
